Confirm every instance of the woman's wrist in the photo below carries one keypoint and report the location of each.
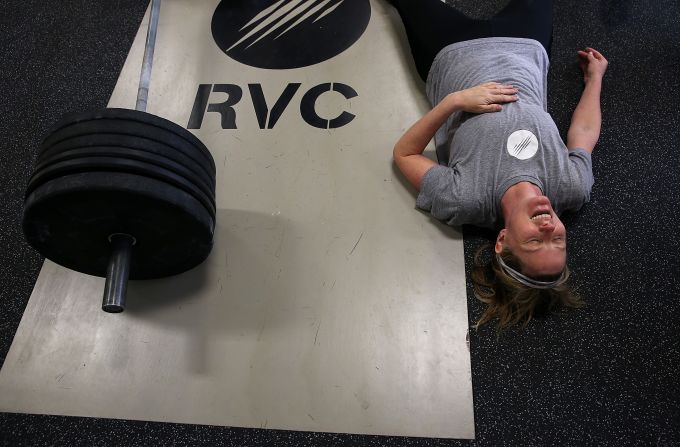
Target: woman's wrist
(594, 80)
(452, 102)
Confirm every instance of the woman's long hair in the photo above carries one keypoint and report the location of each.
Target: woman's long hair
(510, 301)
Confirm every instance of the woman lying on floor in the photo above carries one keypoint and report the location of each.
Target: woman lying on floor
(502, 163)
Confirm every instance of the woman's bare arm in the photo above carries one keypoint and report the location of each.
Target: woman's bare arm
(587, 118)
(408, 152)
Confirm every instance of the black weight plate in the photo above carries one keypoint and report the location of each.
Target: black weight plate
(123, 127)
(137, 116)
(98, 164)
(186, 157)
(126, 122)
(69, 220)
(130, 154)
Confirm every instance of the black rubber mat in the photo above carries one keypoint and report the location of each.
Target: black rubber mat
(604, 375)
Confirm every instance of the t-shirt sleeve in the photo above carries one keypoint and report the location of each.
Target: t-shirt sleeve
(581, 166)
(439, 194)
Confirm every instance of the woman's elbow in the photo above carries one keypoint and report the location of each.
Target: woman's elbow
(583, 138)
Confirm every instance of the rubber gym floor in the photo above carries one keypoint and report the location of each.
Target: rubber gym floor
(604, 375)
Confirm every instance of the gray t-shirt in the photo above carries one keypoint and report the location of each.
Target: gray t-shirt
(482, 155)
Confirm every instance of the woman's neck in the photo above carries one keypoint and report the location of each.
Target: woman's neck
(517, 193)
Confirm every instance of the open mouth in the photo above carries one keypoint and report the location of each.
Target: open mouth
(541, 213)
(541, 216)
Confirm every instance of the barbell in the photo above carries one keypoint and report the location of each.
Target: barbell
(122, 194)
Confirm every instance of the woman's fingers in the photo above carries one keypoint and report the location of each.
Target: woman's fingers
(499, 94)
(491, 108)
(595, 53)
(497, 99)
(495, 85)
(505, 91)
(586, 56)
(591, 53)
(498, 88)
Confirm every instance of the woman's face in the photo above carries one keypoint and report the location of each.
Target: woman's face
(536, 236)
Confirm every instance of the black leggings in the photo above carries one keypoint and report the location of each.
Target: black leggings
(431, 25)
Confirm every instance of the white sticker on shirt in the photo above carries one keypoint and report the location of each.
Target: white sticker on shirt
(522, 144)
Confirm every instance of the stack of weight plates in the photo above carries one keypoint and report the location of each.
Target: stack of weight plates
(122, 171)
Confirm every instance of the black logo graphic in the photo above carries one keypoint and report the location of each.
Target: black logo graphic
(281, 34)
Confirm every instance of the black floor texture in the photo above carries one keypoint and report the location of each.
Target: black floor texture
(605, 375)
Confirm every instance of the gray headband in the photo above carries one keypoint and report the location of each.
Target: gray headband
(530, 282)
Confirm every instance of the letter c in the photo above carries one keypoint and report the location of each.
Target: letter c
(308, 106)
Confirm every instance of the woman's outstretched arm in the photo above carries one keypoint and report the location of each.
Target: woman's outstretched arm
(408, 152)
(587, 119)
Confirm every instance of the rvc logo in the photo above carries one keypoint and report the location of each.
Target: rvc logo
(282, 34)
(288, 33)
